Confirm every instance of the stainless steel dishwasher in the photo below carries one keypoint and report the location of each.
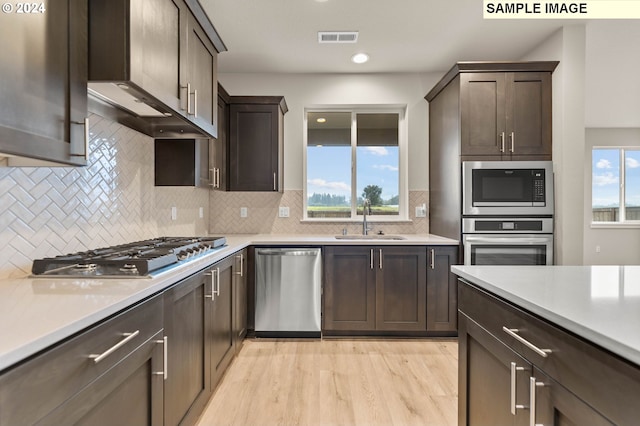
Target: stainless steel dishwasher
(288, 292)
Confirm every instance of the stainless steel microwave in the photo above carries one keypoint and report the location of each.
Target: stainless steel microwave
(507, 188)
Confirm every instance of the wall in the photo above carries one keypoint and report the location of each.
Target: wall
(567, 46)
(596, 101)
(304, 90)
(47, 212)
(612, 119)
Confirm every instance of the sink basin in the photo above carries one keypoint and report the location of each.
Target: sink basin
(369, 237)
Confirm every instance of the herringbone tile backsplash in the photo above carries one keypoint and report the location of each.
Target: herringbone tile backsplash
(51, 211)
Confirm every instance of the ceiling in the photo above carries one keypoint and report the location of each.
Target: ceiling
(281, 36)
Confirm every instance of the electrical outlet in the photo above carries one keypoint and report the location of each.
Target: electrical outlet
(421, 211)
(201, 212)
(243, 212)
(283, 212)
(597, 249)
(174, 213)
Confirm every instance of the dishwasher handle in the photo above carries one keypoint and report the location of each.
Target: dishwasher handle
(288, 252)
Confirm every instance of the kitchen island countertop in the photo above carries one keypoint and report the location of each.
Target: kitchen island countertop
(36, 313)
(601, 304)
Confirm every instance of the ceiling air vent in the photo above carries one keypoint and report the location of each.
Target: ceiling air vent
(337, 36)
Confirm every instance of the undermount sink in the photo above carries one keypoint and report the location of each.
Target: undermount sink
(369, 237)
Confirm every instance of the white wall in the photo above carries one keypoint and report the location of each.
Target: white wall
(303, 90)
(567, 46)
(612, 119)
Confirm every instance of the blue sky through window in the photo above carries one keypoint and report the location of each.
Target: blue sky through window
(606, 177)
(329, 170)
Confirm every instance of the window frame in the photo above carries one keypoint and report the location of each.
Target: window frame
(623, 222)
(403, 172)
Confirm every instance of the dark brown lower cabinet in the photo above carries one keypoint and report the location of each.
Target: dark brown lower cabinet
(503, 381)
(130, 394)
(401, 278)
(442, 290)
(220, 320)
(187, 385)
(110, 374)
(374, 288)
(349, 289)
(240, 299)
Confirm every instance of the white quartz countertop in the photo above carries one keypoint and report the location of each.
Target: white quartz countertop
(36, 313)
(599, 303)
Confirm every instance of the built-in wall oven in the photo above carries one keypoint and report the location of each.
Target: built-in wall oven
(507, 241)
(507, 212)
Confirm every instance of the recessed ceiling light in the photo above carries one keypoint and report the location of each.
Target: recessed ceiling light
(360, 58)
(321, 120)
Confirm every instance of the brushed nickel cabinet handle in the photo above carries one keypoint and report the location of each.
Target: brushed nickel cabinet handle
(380, 260)
(433, 259)
(210, 296)
(514, 406)
(127, 337)
(85, 154)
(533, 384)
(217, 288)
(502, 142)
(217, 177)
(241, 257)
(513, 141)
(195, 103)
(275, 187)
(513, 332)
(371, 259)
(165, 361)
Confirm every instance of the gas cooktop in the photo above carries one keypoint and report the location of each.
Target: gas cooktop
(134, 260)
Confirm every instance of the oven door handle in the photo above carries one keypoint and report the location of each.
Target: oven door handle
(512, 240)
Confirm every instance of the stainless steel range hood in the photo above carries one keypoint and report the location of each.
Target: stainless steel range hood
(142, 57)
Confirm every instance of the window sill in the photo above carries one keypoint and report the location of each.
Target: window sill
(615, 225)
(358, 221)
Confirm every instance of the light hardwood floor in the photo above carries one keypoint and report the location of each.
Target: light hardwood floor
(338, 382)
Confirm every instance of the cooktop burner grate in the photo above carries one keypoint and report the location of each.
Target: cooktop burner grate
(137, 259)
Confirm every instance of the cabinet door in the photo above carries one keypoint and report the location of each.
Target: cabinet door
(349, 288)
(254, 147)
(528, 100)
(401, 280)
(187, 383)
(442, 289)
(43, 100)
(482, 114)
(240, 298)
(131, 393)
(493, 381)
(221, 322)
(202, 88)
(554, 405)
(220, 149)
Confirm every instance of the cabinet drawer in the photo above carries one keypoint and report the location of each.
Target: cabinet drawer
(609, 384)
(34, 388)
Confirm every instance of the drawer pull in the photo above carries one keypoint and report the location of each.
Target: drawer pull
(514, 406)
(127, 337)
(513, 332)
(532, 401)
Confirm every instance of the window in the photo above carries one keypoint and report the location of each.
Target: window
(353, 155)
(615, 182)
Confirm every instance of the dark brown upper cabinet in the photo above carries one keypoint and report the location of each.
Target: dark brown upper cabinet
(43, 106)
(506, 114)
(499, 110)
(156, 62)
(256, 138)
